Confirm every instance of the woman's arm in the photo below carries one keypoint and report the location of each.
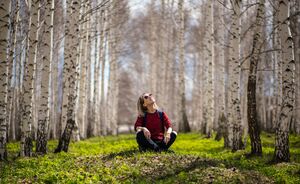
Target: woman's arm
(167, 124)
(145, 131)
(169, 130)
(138, 123)
(139, 128)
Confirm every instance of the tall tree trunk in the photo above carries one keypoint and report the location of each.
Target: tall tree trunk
(56, 81)
(67, 63)
(164, 69)
(253, 127)
(115, 70)
(205, 57)
(44, 55)
(16, 73)
(12, 39)
(234, 99)
(103, 41)
(101, 62)
(26, 136)
(4, 24)
(183, 121)
(294, 25)
(278, 71)
(211, 65)
(96, 74)
(222, 114)
(81, 116)
(73, 38)
(109, 99)
(282, 152)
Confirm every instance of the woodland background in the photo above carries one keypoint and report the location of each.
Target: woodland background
(229, 67)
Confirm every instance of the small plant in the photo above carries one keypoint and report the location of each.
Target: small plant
(116, 159)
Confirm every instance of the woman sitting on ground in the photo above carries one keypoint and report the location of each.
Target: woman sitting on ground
(153, 127)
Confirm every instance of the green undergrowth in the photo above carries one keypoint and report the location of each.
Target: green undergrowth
(116, 159)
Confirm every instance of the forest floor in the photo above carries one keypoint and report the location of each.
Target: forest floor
(116, 159)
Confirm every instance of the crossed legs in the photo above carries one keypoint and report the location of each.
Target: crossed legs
(149, 144)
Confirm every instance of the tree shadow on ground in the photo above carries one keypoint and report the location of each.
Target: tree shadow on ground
(197, 163)
(126, 153)
(198, 169)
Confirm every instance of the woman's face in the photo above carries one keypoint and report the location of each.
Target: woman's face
(148, 99)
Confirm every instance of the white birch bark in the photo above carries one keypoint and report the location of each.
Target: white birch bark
(44, 56)
(183, 121)
(97, 73)
(294, 25)
(100, 49)
(282, 153)
(152, 58)
(72, 59)
(58, 42)
(211, 65)
(163, 69)
(222, 69)
(235, 127)
(16, 73)
(109, 99)
(66, 66)
(4, 24)
(95, 70)
(81, 113)
(118, 20)
(205, 61)
(103, 67)
(26, 139)
(12, 42)
(277, 72)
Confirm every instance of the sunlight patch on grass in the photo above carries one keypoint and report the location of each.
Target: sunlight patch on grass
(116, 159)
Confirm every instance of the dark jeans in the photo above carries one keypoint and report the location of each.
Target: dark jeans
(149, 144)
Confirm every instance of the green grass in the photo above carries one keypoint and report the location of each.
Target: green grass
(117, 160)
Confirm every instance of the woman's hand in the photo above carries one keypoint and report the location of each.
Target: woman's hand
(146, 133)
(167, 138)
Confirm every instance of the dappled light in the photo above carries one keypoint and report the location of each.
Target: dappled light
(145, 91)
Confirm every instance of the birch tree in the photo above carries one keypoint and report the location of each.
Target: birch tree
(97, 115)
(234, 83)
(84, 32)
(294, 26)
(211, 65)
(183, 121)
(72, 36)
(278, 70)
(58, 44)
(152, 52)
(16, 72)
(116, 25)
(26, 121)
(66, 66)
(44, 56)
(12, 40)
(222, 69)
(103, 66)
(282, 153)
(4, 24)
(254, 131)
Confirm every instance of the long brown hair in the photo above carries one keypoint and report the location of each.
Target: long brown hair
(140, 106)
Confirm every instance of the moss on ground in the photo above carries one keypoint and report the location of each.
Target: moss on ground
(116, 159)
